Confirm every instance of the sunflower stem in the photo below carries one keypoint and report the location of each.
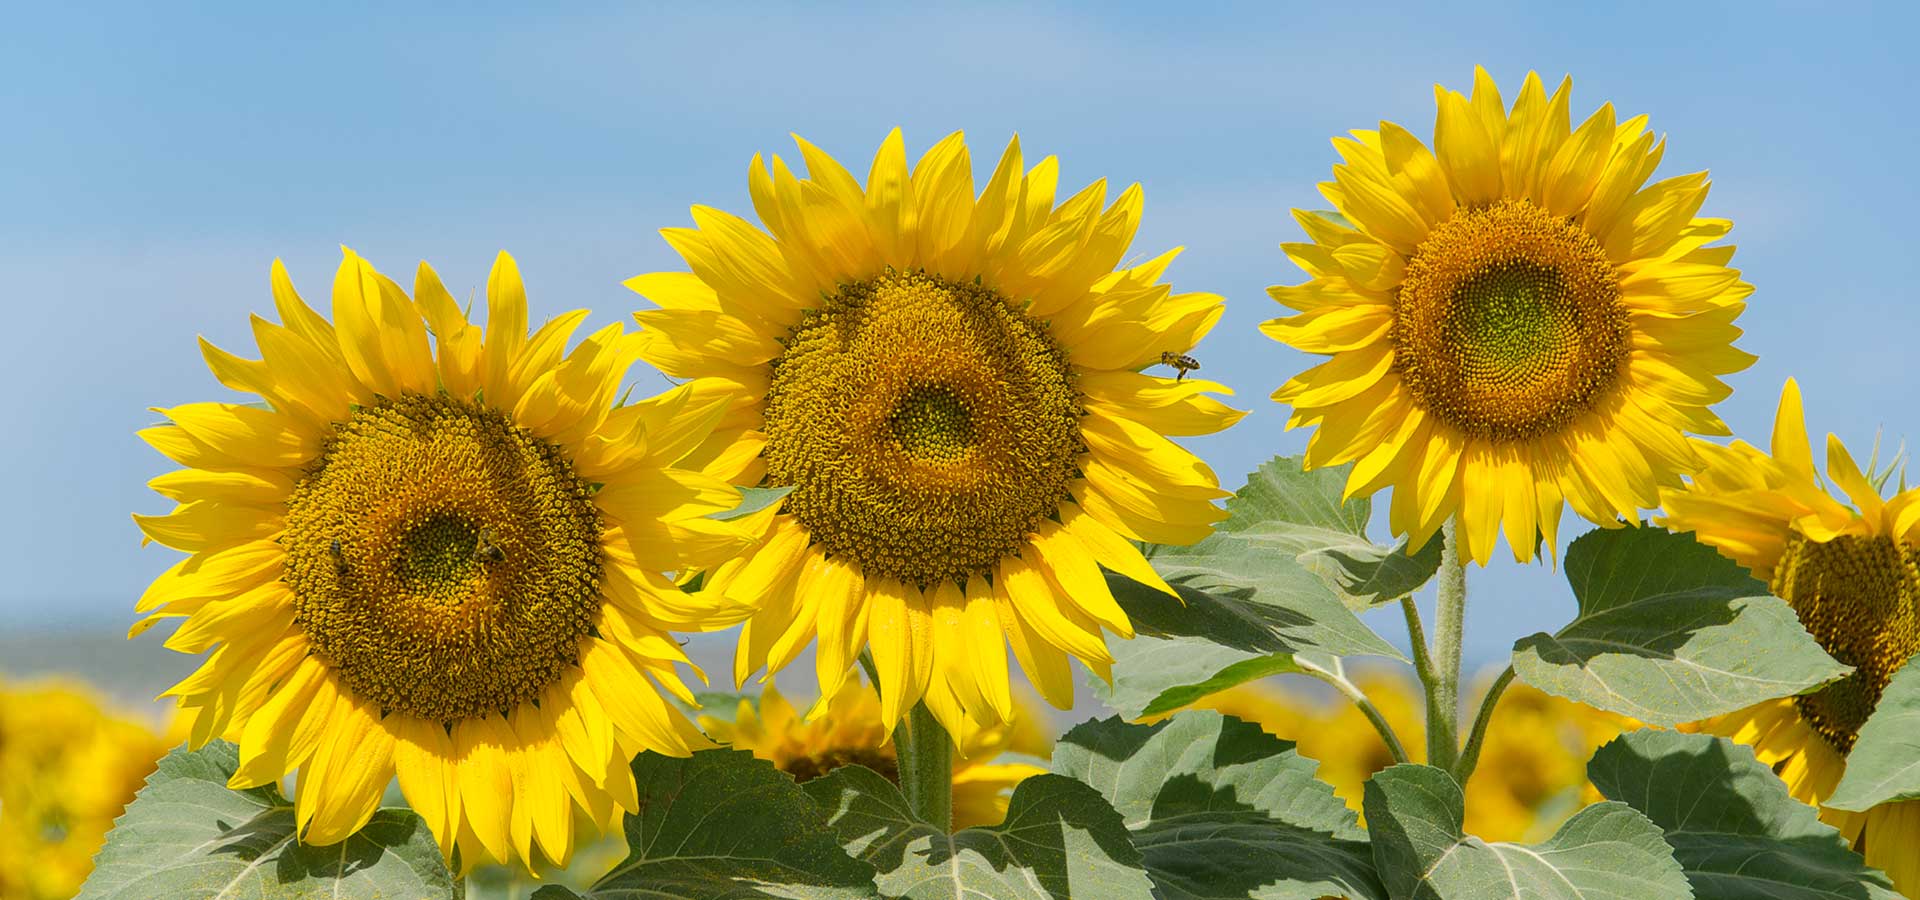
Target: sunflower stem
(1417, 635)
(1359, 697)
(1470, 757)
(1443, 680)
(926, 767)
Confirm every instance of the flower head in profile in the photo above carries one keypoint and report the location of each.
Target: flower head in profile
(436, 551)
(1516, 319)
(1851, 571)
(950, 383)
(851, 733)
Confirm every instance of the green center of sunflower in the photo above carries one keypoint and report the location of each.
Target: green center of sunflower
(444, 561)
(931, 422)
(1508, 323)
(926, 426)
(1860, 598)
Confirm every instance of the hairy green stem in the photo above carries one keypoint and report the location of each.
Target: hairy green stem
(926, 767)
(1443, 682)
(1470, 757)
(1417, 635)
(1359, 697)
(925, 754)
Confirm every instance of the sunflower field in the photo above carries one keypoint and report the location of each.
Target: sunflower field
(474, 599)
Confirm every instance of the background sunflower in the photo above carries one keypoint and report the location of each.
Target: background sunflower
(1533, 769)
(851, 733)
(68, 765)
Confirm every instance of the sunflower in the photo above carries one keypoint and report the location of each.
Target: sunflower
(1516, 319)
(851, 733)
(1852, 573)
(441, 565)
(1532, 771)
(950, 385)
(68, 766)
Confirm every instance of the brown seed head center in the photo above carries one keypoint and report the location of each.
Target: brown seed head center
(443, 560)
(926, 426)
(1859, 596)
(1508, 324)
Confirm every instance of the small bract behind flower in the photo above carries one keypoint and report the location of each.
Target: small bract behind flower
(437, 551)
(950, 384)
(1516, 319)
(1852, 573)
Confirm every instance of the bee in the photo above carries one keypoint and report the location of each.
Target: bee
(485, 550)
(339, 558)
(1180, 361)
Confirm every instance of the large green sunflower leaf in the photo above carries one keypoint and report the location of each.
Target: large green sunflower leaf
(1670, 631)
(187, 835)
(722, 825)
(1219, 809)
(1733, 827)
(1060, 840)
(1301, 515)
(1607, 850)
(1282, 576)
(1884, 764)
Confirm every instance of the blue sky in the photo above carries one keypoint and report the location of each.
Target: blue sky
(154, 163)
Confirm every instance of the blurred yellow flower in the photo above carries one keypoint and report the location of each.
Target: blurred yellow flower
(67, 769)
(851, 732)
(1533, 766)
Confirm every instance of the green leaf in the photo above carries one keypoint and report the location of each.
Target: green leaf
(187, 835)
(1059, 841)
(1884, 764)
(1211, 640)
(1732, 825)
(1370, 575)
(753, 500)
(722, 824)
(1670, 631)
(1220, 808)
(1607, 850)
(1166, 660)
(1301, 514)
(1282, 491)
(1254, 563)
(1250, 598)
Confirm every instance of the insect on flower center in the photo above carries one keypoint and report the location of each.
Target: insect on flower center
(1508, 323)
(445, 561)
(1860, 598)
(926, 426)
